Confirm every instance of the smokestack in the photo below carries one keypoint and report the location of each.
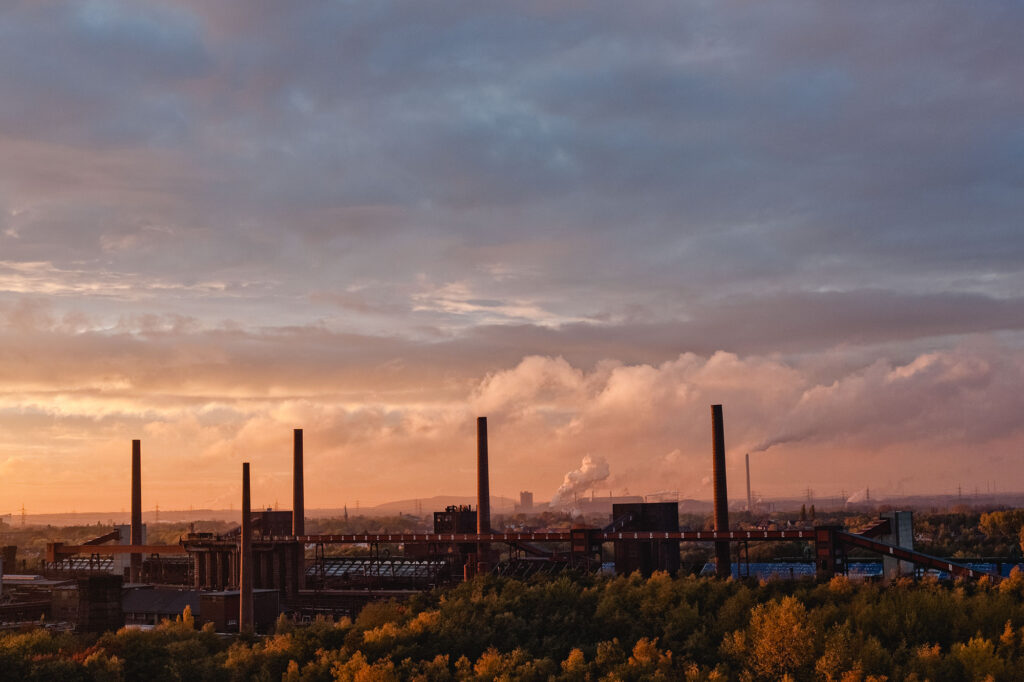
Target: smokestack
(245, 568)
(722, 561)
(298, 497)
(483, 488)
(750, 498)
(135, 570)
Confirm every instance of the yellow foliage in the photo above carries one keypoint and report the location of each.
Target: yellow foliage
(356, 669)
(649, 658)
(391, 633)
(978, 658)
(780, 638)
(693, 673)
(1008, 640)
(104, 668)
(283, 624)
(385, 634)
(278, 643)
(734, 645)
(840, 585)
(645, 652)
(857, 675)
(609, 653)
(424, 622)
(494, 665)
(1014, 584)
(575, 662)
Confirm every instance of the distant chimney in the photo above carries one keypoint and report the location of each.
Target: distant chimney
(246, 566)
(750, 498)
(135, 566)
(723, 562)
(483, 490)
(298, 496)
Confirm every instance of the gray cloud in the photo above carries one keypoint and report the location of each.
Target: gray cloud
(99, 71)
(678, 145)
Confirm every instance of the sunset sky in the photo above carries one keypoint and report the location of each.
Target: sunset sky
(220, 221)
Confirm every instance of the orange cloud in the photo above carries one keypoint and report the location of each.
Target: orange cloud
(922, 425)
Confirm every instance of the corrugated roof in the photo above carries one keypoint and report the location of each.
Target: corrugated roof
(337, 567)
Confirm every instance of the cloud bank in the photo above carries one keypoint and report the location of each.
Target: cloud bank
(204, 401)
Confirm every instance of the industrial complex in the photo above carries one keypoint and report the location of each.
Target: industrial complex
(242, 580)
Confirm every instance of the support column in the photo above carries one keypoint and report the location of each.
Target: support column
(197, 574)
(218, 570)
(901, 534)
(211, 573)
(204, 575)
(245, 602)
(291, 569)
(723, 567)
(828, 552)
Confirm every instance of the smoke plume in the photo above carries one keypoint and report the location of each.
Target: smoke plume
(782, 439)
(592, 470)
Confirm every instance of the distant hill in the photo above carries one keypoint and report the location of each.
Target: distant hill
(503, 505)
(109, 517)
(428, 505)
(420, 506)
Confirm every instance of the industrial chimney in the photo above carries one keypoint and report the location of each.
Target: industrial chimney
(750, 498)
(483, 489)
(298, 496)
(135, 566)
(245, 567)
(723, 567)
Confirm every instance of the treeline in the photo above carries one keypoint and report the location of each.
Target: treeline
(586, 628)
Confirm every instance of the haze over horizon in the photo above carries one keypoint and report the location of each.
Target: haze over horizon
(377, 221)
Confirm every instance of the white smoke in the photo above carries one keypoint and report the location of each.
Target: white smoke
(592, 470)
(865, 495)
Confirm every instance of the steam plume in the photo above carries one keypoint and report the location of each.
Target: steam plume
(782, 439)
(592, 470)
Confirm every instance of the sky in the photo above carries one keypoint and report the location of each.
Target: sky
(588, 222)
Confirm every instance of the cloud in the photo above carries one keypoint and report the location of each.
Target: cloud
(43, 278)
(735, 157)
(108, 72)
(377, 432)
(383, 218)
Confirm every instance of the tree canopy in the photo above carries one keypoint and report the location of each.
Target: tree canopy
(585, 628)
